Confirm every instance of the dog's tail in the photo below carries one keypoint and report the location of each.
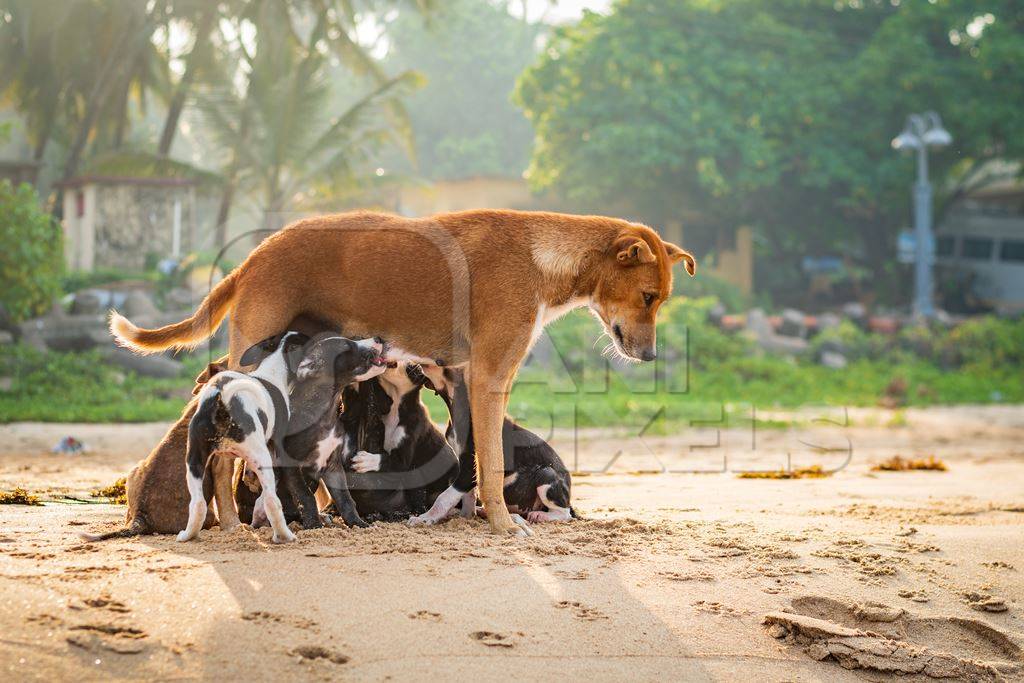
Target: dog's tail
(184, 335)
(137, 528)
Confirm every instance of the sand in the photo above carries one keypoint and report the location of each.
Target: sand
(670, 575)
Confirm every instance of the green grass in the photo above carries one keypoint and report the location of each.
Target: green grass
(724, 381)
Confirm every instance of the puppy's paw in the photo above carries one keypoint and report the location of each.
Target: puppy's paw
(366, 462)
(183, 536)
(286, 537)
(426, 519)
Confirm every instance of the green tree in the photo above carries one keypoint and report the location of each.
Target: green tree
(470, 52)
(281, 136)
(773, 114)
(31, 255)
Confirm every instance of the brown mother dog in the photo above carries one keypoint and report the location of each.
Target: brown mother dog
(475, 287)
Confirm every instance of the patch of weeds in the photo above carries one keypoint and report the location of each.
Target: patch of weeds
(115, 493)
(900, 464)
(18, 496)
(812, 472)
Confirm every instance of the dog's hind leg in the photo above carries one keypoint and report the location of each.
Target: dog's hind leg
(197, 457)
(258, 456)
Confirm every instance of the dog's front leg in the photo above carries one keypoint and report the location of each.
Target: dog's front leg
(488, 398)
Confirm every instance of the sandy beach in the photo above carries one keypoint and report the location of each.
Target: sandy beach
(678, 569)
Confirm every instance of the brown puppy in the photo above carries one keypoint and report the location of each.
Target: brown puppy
(157, 500)
(474, 288)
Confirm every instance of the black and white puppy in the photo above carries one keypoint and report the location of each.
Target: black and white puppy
(537, 483)
(238, 414)
(405, 462)
(316, 446)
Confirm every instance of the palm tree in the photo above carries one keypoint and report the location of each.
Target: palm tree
(270, 112)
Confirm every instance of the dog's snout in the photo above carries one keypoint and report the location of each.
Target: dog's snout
(648, 354)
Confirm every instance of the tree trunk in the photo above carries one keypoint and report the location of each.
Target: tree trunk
(177, 105)
(226, 199)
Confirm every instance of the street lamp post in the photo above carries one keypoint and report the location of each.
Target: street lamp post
(921, 132)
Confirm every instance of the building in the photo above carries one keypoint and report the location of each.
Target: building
(983, 236)
(134, 210)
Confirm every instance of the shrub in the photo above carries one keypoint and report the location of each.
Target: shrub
(31, 253)
(986, 341)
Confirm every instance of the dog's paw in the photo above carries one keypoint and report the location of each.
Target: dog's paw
(285, 537)
(366, 462)
(183, 536)
(524, 528)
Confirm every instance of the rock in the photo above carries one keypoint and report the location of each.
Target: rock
(6, 383)
(828, 321)
(832, 359)
(148, 366)
(716, 314)
(137, 303)
(90, 301)
(32, 335)
(790, 346)
(793, 323)
(757, 322)
(181, 299)
(856, 312)
(6, 338)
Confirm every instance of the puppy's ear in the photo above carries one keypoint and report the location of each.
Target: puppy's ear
(296, 340)
(208, 372)
(631, 250)
(677, 254)
(260, 350)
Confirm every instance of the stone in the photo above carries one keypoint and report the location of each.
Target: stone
(90, 301)
(793, 324)
(137, 303)
(828, 321)
(856, 312)
(6, 338)
(832, 359)
(148, 366)
(181, 299)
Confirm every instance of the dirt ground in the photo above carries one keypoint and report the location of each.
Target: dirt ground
(679, 569)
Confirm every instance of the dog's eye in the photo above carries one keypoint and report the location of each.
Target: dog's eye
(649, 298)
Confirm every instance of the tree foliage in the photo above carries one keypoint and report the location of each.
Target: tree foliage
(470, 53)
(31, 254)
(773, 114)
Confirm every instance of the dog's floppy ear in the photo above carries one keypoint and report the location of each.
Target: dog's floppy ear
(208, 372)
(632, 250)
(677, 254)
(260, 350)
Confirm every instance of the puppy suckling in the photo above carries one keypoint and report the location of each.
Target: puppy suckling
(404, 461)
(536, 482)
(316, 444)
(237, 415)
